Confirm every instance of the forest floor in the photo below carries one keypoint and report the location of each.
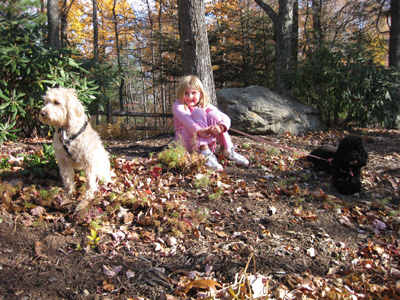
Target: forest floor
(273, 230)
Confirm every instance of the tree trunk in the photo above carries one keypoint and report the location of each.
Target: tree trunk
(295, 32)
(196, 58)
(64, 22)
(152, 49)
(95, 33)
(42, 6)
(161, 61)
(122, 83)
(283, 23)
(394, 42)
(317, 23)
(53, 38)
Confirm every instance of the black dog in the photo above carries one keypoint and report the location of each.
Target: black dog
(344, 163)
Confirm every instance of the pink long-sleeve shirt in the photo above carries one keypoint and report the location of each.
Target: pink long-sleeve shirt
(187, 122)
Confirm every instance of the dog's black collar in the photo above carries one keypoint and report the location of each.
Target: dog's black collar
(66, 142)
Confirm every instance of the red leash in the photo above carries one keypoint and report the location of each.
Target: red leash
(275, 144)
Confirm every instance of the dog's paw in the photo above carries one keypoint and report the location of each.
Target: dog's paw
(89, 194)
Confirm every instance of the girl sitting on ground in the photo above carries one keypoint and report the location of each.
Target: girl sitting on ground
(200, 125)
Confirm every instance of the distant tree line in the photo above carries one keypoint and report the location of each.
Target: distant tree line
(340, 56)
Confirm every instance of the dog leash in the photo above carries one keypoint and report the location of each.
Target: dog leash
(277, 145)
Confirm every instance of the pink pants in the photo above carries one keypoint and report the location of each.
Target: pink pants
(206, 119)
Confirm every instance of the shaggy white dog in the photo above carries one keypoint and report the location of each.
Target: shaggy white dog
(76, 145)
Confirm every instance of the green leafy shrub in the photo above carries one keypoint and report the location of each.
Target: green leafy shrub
(217, 193)
(5, 164)
(348, 88)
(176, 158)
(41, 162)
(202, 181)
(28, 68)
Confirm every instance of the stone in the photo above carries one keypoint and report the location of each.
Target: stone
(258, 110)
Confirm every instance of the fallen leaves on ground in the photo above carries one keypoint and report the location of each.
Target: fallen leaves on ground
(169, 213)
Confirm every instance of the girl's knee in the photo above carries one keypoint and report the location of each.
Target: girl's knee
(214, 117)
(199, 115)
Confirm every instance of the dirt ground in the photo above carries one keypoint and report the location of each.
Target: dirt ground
(275, 218)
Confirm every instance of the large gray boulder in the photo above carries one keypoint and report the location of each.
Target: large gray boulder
(258, 110)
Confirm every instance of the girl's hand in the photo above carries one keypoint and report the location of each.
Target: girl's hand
(215, 129)
(204, 132)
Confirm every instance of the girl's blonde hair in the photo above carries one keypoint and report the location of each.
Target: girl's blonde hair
(195, 83)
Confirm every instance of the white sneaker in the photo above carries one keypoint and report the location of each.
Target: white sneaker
(237, 158)
(212, 163)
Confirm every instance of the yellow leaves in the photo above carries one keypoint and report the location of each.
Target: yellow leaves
(222, 9)
(205, 284)
(76, 26)
(80, 23)
(93, 239)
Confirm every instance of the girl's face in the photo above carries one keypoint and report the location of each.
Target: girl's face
(191, 97)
